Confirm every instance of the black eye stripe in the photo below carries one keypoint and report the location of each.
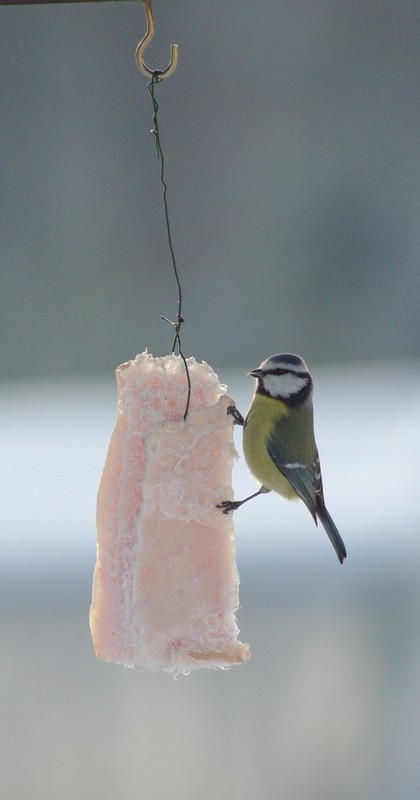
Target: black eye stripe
(285, 371)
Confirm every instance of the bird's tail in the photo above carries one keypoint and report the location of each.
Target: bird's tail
(332, 532)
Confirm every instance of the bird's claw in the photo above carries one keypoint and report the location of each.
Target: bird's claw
(229, 505)
(237, 416)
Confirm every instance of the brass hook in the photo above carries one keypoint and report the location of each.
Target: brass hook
(150, 73)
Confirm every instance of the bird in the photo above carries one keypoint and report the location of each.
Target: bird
(279, 441)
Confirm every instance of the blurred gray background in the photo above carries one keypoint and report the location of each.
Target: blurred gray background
(291, 136)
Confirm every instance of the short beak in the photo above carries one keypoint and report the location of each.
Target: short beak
(257, 373)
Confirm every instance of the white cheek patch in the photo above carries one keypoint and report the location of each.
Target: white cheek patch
(284, 385)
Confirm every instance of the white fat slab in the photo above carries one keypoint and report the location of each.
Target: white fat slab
(284, 385)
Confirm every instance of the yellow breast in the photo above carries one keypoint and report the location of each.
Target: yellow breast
(262, 417)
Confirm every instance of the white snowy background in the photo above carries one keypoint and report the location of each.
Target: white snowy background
(55, 436)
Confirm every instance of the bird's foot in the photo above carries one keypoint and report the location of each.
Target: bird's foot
(229, 505)
(232, 411)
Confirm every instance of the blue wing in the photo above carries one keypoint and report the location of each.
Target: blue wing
(305, 478)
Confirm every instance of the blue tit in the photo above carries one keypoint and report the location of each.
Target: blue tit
(279, 442)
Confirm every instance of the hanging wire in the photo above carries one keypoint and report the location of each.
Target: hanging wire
(156, 78)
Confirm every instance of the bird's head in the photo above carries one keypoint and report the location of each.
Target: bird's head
(284, 377)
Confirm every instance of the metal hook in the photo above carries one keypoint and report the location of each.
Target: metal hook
(150, 73)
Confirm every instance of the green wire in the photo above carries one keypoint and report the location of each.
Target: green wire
(179, 317)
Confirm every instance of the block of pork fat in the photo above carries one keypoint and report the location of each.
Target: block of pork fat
(165, 590)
